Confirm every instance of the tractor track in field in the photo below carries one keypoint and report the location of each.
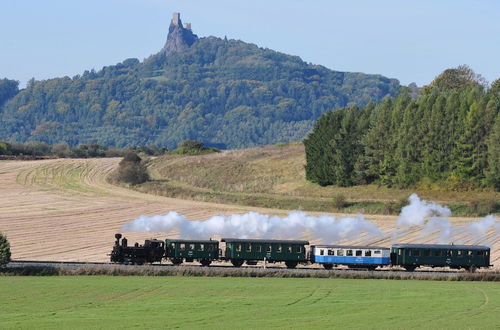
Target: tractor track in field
(66, 210)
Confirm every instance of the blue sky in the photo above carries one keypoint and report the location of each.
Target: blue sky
(412, 41)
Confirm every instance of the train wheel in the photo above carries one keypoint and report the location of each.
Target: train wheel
(205, 262)
(291, 264)
(410, 268)
(471, 269)
(236, 262)
(328, 266)
(371, 268)
(176, 261)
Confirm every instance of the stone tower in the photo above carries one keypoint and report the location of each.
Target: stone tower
(176, 18)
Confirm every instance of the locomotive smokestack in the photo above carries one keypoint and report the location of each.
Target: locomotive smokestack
(118, 236)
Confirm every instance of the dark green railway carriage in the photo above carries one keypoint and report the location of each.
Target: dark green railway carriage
(251, 251)
(204, 251)
(411, 256)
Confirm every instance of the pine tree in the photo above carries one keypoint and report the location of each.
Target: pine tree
(492, 172)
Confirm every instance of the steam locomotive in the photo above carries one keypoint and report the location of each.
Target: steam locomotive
(294, 252)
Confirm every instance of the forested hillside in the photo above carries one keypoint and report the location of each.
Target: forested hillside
(449, 138)
(224, 93)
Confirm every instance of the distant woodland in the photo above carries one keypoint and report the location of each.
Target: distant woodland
(448, 138)
(224, 93)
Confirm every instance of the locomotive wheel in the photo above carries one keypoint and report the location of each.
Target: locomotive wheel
(328, 266)
(291, 264)
(410, 268)
(205, 262)
(371, 268)
(237, 263)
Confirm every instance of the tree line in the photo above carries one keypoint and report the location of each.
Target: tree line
(64, 150)
(448, 137)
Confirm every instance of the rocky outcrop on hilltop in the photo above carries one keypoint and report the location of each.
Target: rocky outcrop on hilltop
(180, 37)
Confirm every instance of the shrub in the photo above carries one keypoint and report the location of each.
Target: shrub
(4, 250)
(192, 147)
(339, 201)
(132, 170)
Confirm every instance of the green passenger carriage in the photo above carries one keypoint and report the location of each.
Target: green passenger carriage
(251, 251)
(411, 256)
(204, 251)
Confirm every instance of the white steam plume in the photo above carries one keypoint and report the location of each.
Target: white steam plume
(255, 225)
(432, 217)
(418, 210)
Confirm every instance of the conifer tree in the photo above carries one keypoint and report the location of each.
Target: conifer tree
(4, 250)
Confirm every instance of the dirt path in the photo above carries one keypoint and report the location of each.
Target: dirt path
(64, 209)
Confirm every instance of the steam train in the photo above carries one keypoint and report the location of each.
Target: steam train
(294, 252)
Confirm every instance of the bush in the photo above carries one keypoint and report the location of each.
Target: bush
(4, 250)
(192, 147)
(131, 170)
(339, 201)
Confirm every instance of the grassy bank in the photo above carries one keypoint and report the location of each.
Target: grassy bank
(187, 302)
(274, 177)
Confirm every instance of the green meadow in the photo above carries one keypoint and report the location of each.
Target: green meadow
(201, 302)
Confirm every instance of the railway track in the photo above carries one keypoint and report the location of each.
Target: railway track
(224, 269)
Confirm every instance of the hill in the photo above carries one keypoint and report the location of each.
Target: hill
(225, 93)
(275, 177)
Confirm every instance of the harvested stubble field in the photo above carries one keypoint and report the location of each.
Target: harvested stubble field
(65, 210)
(93, 302)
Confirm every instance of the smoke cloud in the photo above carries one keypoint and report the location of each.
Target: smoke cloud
(255, 225)
(428, 217)
(418, 210)
(432, 218)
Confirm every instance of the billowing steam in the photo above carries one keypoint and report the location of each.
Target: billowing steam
(428, 218)
(255, 225)
(432, 218)
(418, 211)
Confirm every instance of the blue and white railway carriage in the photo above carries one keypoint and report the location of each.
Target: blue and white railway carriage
(352, 256)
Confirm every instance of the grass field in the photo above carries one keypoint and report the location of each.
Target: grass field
(274, 177)
(186, 302)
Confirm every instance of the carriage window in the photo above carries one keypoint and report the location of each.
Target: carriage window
(210, 248)
(289, 249)
(400, 251)
(299, 249)
(486, 253)
(349, 253)
(340, 252)
(269, 248)
(183, 246)
(427, 253)
(249, 247)
(459, 253)
(191, 246)
(279, 248)
(479, 253)
(437, 253)
(202, 247)
(259, 248)
(330, 253)
(368, 253)
(238, 247)
(378, 252)
(448, 253)
(469, 253)
(321, 252)
(359, 253)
